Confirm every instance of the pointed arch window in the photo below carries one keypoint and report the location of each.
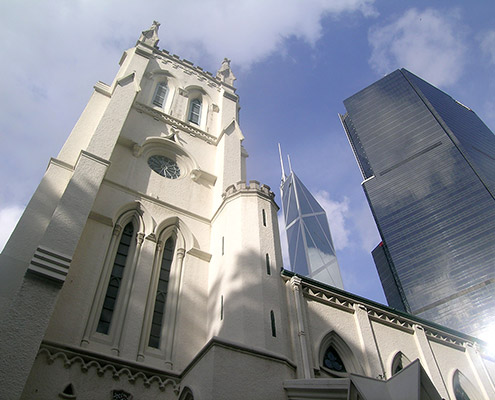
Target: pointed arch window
(332, 360)
(195, 111)
(161, 294)
(160, 94)
(336, 357)
(160, 317)
(463, 388)
(399, 363)
(115, 279)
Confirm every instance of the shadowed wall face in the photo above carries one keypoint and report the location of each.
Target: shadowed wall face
(430, 188)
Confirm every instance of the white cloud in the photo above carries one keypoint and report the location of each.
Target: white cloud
(487, 44)
(56, 50)
(337, 214)
(8, 220)
(429, 43)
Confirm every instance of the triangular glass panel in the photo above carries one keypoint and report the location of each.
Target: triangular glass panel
(308, 203)
(292, 211)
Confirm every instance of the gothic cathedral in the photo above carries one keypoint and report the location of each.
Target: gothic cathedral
(146, 267)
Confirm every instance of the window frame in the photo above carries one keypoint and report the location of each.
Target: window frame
(113, 337)
(160, 85)
(168, 324)
(192, 114)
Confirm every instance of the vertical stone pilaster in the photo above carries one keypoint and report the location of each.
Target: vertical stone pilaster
(484, 381)
(295, 283)
(369, 348)
(428, 360)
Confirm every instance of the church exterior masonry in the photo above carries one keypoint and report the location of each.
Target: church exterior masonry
(146, 267)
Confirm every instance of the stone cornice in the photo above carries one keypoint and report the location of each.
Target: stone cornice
(391, 320)
(159, 116)
(328, 298)
(383, 314)
(119, 368)
(449, 340)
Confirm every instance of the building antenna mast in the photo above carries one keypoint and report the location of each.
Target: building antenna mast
(281, 162)
(290, 166)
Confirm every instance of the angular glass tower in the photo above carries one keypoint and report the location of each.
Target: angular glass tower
(311, 250)
(428, 164)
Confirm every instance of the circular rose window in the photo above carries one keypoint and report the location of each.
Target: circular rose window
(164, 166)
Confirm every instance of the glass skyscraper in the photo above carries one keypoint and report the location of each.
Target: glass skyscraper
(311, 249)
(428, 164)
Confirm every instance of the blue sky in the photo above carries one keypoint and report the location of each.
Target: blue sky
(295, 62)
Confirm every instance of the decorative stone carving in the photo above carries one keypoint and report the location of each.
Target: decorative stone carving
(118, 370)
(150, 36)
(136, 150)
(194, 132)
(225, 74)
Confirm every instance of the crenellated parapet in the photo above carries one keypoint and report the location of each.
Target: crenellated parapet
(224, 77)
(245, 188)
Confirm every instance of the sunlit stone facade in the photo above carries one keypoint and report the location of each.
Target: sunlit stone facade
(145, 267)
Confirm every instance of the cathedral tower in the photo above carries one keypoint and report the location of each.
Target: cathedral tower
(137, 245)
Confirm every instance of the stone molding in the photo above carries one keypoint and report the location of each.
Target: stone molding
(160, 116)
(391, 320)
(447, 340)
(198, 253)
(92, 157)
(328, 298)
(49, 264)
(146, 197)
(119, 370)
(103, 89)
(252, 351)
(60, 164)
(383, 316)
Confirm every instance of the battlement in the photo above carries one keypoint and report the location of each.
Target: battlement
(252, 187)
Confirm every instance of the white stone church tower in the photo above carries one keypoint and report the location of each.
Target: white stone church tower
(145, 267)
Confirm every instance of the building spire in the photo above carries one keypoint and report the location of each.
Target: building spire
(281, 163)
(150, 36)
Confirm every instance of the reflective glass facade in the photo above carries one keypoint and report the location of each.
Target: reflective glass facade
(311, 250)
(390, 282)
(429, 168)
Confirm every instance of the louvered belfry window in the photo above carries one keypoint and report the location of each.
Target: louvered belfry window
(160, 94)
(195, 111)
